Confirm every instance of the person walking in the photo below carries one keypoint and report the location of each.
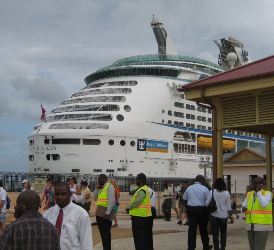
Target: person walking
(182, 205)
(86, 194)
(3, 210)
(48, 195)
(258, 213)
(218, 219)
(105, 201)
(30, 230)
(167, 203)
(71, 221)
(27, 185)
(116, 206)
(196, 196)
(141, 217)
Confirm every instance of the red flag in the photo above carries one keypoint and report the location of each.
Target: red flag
(43, 113)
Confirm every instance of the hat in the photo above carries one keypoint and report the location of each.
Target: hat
(24, 181)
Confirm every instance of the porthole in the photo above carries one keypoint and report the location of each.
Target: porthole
(132, 143)
(122, 143)
(111, 142)
(127, 108)
(120, 117)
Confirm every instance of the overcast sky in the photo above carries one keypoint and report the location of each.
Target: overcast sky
(48, 47)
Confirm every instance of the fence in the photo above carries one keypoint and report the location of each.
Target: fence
(12, 181)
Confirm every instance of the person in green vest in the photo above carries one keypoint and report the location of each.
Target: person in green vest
(141, 217)
(105, 200)
(257, 207)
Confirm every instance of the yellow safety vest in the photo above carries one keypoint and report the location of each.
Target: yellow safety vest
(102, 199)
(144, 209)
(257, 214)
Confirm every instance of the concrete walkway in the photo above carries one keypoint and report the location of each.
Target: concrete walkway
(236, 237)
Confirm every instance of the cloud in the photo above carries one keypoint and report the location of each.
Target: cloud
(41, 90)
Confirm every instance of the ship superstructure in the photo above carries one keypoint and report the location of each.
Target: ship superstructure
(131, 118)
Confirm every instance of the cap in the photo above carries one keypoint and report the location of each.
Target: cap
(25, 181)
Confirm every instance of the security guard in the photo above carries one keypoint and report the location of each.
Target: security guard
(141, 217)
(105, 201)
(258, 208)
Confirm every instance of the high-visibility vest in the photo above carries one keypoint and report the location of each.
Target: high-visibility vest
(257, 214)
(144, 209)
(102, 199)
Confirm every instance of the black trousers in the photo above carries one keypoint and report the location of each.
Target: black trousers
(104, 229)
(218, 225)
(197, 217)
(142, 232)
(166, 207)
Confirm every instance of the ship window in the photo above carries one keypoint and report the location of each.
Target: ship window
(75, 170)
(97, 116)
(209, 119)
(110, 171)
(169, 112)
(97, 170)
(209, 128)
(103, 91)
(31, 157)
(122, 143)
(120, 117)
(178, 114)
(179, 104)
(46, 141)
(188, 125)
(48, 157)
(46, 169)
(56, 157)
(132, 143)
(121, 169)
(31, 142)
(163, 121)
(169, 122)
(127, 108)
(163, 111)
(91, 141)
(111, 142)
(66, 141)
(175, 123)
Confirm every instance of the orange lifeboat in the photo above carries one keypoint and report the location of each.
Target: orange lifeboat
(206, 142)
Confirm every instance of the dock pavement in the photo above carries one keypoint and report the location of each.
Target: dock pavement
(177, 240)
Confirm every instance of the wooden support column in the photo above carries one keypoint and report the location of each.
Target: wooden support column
(268, 163)
(217, 140)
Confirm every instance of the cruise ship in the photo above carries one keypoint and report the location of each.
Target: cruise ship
(130, 117)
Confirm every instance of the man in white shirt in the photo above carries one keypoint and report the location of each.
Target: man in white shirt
(71, 221)
(3, 216)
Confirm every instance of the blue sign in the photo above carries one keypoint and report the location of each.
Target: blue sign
(152, 146)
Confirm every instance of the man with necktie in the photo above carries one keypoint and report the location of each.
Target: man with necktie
(71, 221)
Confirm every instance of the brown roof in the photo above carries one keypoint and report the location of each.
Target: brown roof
(254, 70)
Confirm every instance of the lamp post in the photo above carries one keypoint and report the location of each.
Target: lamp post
(204, 164)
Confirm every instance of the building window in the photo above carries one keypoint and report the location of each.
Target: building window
(111, 142)
(91, 141)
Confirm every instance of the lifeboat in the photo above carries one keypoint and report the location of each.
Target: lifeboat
(206, 142)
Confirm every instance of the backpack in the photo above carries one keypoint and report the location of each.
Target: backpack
(8, 201)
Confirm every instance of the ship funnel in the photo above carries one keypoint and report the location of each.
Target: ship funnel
(165, 45)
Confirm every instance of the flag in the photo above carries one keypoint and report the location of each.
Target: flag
(43, 113)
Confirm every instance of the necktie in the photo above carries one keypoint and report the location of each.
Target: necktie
(59, 221)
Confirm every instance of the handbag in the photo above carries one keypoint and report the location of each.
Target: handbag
(212, 207)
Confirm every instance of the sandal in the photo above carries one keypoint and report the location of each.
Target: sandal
(115, 225)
